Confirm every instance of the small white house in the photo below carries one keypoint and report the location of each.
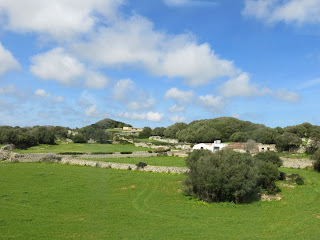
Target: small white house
(216, 145)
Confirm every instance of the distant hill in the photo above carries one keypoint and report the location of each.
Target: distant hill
(108, 123)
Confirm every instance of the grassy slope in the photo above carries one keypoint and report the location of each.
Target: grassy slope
(154, 161)
(52, 201)
(78, 147)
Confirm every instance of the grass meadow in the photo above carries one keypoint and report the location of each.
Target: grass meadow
(153, 161)
(81, 147)
(53, 201)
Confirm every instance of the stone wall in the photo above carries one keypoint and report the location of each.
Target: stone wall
(119, 155)
(296, 162)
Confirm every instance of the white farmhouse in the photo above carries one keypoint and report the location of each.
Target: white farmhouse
(216, 145)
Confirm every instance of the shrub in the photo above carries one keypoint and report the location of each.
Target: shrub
(282, 176)
(268, 175)
(269, 156)
(125, 152)
(79, 138)
(316, 157)
(299, 181)
(141, 164)
(221, 176)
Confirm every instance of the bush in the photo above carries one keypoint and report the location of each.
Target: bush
(79, 138)
(125, 152)
(316, 157)
(295, 178)
(269, 156)
(268, 175)
(221, 176)
(282, 176)
(299, 181)
(141, 164)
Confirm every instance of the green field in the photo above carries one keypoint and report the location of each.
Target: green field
(79, 147)
(153, 161)
(53, 201)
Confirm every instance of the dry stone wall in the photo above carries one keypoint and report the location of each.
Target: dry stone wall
(296, 162)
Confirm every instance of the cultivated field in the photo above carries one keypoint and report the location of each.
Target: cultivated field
(53, 201)
(79, 147)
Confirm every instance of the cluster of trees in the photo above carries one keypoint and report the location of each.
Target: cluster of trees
(231, 176)
(31, 136)
(234, 130)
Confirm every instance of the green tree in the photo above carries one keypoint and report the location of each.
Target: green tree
(221, 176)
(146, 132)
(288, 141)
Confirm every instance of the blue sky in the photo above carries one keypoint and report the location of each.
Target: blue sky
(154, 63)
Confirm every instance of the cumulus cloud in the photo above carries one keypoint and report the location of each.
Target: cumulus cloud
(128, 93)
(176, 108)
(10, 89)
(290, 11)
(285, 95)
(58, 99)
(123, 88)
(41, 93)
(135, 42)
(179, 95)
(189, 3)
(57, 65)
(7, 61)
(149, 116)
(60, 19)
(93, 112)
(241, 87)
(61, 66)
(213, 104)
(176, 119)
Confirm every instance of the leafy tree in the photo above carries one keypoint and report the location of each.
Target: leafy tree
(269, 156)
(264, 135)
(316, 157)
(146, 132)
(221, 176)
(172, 130)
(158, 131)
(79, 138)
(239, 137)
(288, 141)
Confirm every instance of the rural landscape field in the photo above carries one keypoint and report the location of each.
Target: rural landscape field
(163, 119)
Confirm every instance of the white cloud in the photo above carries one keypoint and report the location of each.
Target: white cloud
(190, 3)
(123, 89)
(10, 89)
(59, 18)
(139, 105)
(58, 99)
(96, 80)
(290, 11)
(61, 66)
(213, 104)
(285, 95)
(149, 116)
(126, 92)
(7, 61)
(310, 83)
(241, 87)
(179, 96)
(176, 119)
(41, 93)
(135, 42)
(235, 115)
(57, 65)
(93, 112)
(176, 108)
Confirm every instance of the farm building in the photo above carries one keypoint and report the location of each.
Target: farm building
(216, 145)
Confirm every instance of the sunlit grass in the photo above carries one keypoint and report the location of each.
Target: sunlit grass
(52, 201)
